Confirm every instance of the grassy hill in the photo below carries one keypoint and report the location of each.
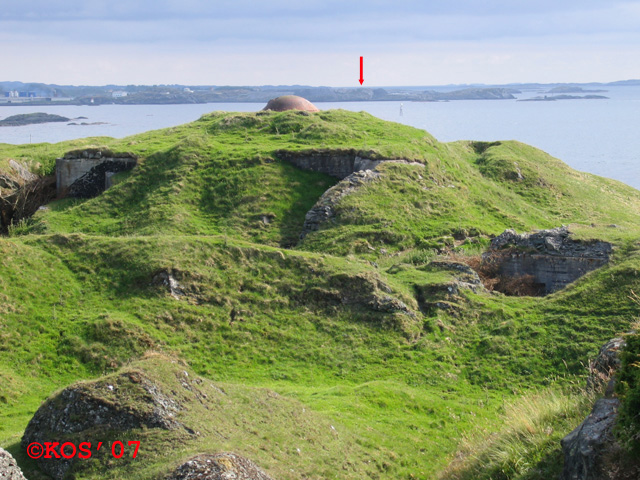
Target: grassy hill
(340, 323)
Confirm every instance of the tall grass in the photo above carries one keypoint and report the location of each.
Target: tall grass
(528, 445)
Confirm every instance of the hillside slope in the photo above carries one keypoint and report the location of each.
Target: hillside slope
(369, 321)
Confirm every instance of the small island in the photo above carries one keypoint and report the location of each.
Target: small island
(553, 98)
(30, 119)
(573, 89)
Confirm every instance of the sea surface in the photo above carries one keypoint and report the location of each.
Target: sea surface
(596, 136)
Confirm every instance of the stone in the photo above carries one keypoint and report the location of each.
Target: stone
(118, 403)
(591, 451)
(554, 241)
(219, 466)
(9, 469)
(324, 209)
(22, 193)
(167, 279)
(602, 368)
(22, 171)
(585, 446)
(352, 170)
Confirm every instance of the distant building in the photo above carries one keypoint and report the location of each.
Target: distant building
(119, 94)
(187, 90)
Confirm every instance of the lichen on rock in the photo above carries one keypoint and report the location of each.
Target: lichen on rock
(220, 466)
(9, 469)
(119, 402)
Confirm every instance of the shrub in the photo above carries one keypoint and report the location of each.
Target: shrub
(628, 388)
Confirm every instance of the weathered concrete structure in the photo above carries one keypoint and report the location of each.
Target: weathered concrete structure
(86, 173)
(338, 163)
(290, 102)
(550, 256)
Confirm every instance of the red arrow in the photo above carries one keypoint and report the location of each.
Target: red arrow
(361, 71)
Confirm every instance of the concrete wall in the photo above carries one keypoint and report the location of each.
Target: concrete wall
(554, 272)
(85, 165)
(68, 170)
(338, 164)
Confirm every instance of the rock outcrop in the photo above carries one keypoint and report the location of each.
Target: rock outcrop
(22, 193)
(9, 469)
(324, 209)
(591, 451)
(584, 448)
(466, 277)
(166, 278)
(220, 466)
(603, 367)
(550, 256)
(116, 403)
(353, 171)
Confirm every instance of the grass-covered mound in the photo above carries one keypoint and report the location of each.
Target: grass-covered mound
(361, 322)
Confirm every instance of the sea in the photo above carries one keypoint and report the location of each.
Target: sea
(596, 136)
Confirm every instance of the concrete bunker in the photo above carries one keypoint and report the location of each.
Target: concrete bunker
(548, 260)
(346, 165)
(290, 102)
(86, 173)
(338, 163)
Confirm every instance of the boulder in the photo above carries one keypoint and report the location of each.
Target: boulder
(9, 469)
(220, 466)
(119, 402)
(585, 448)
(591, 451)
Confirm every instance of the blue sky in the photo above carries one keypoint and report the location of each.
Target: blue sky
(318, 42)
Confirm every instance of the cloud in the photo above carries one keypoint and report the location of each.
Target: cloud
(122, 10)
(291, 25)
(475, 41)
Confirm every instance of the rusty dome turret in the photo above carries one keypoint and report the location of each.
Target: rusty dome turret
(290, 102)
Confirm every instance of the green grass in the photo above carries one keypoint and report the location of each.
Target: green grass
(527, 446)
(408, 388)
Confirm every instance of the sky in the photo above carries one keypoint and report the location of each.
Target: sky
(314, 42)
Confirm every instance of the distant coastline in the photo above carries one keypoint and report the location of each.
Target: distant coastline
(553, 98)
(21, 94)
